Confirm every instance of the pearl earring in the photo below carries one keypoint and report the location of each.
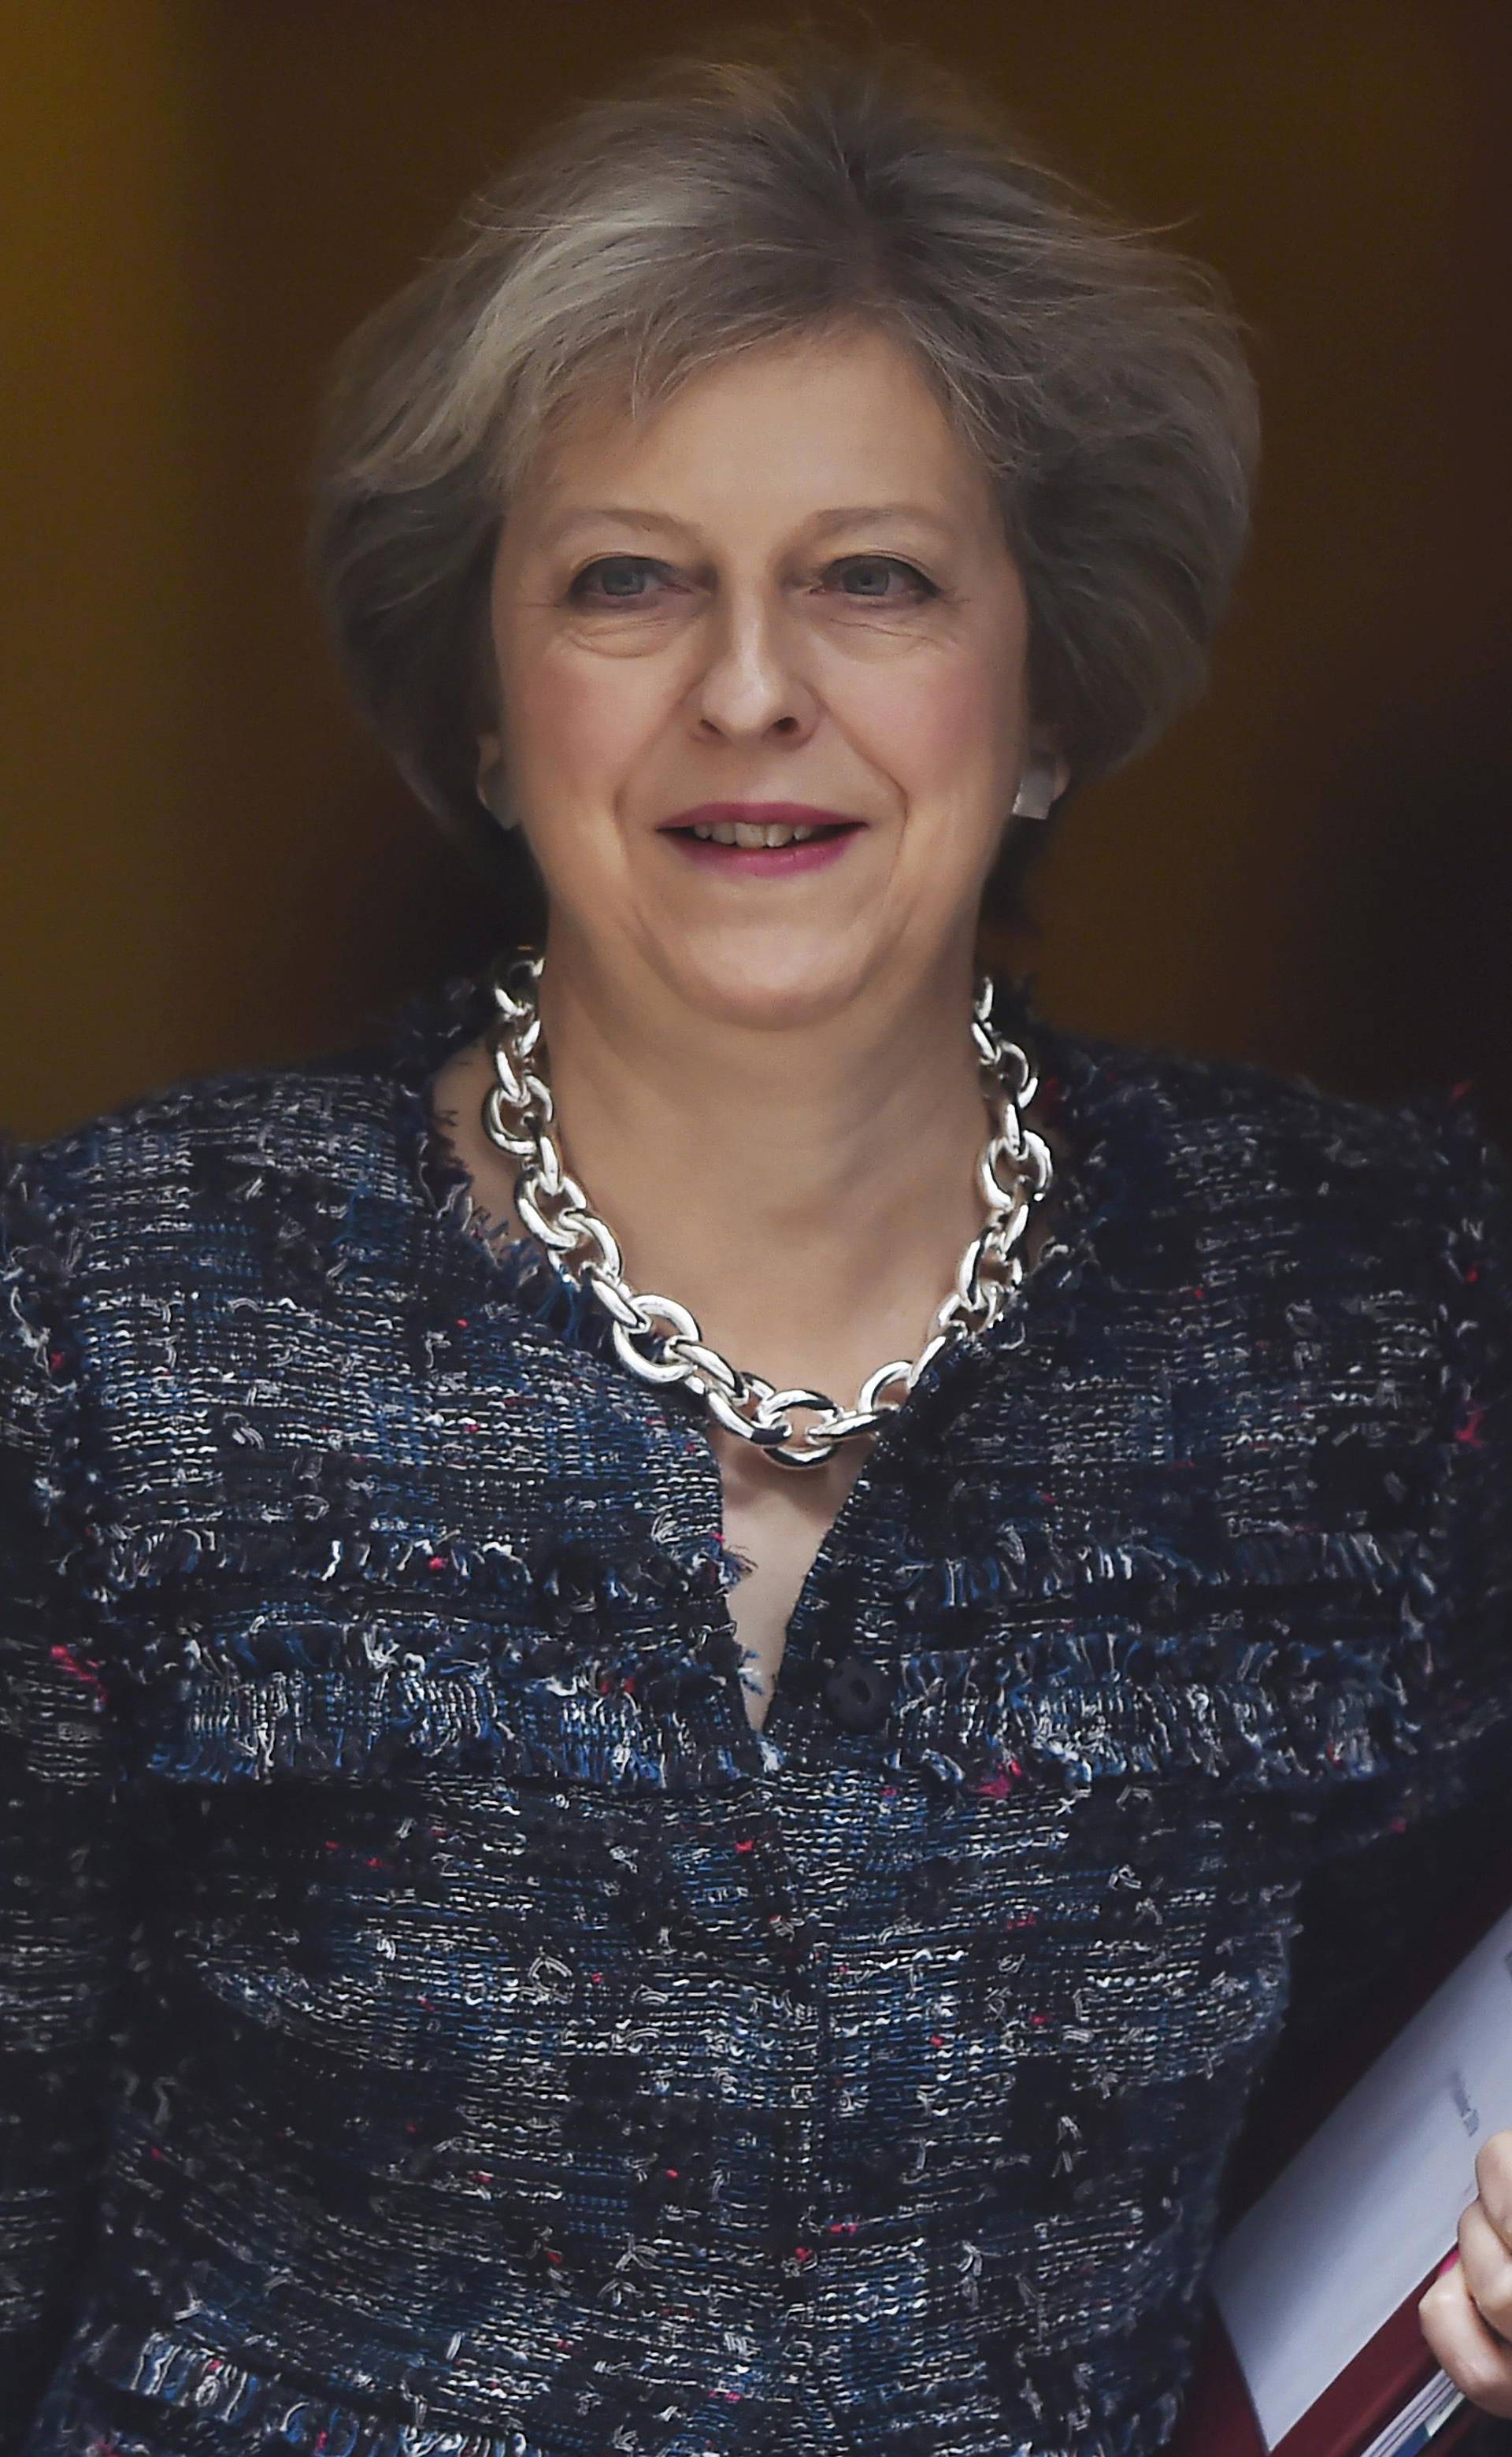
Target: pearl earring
(1036, 791)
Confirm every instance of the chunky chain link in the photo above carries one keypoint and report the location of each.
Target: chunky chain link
(554, 1208)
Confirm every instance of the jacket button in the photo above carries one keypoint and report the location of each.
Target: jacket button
(857, 1694)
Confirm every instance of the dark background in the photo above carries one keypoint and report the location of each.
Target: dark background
(207, 864)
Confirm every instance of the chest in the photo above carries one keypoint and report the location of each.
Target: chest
(775, 1521)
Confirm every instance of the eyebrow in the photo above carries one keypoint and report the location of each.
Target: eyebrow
(835, 517)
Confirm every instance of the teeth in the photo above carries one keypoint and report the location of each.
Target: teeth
(740, 832)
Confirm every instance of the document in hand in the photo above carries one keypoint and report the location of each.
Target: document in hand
(1314, 2346)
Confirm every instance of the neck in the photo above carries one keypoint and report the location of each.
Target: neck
(805, 1191)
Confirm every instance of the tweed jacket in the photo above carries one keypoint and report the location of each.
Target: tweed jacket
(437, 2023)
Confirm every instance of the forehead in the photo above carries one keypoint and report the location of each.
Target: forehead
(793, 427)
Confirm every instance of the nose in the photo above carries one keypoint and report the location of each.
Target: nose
(752, 683)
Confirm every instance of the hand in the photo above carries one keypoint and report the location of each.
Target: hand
(1467, 2314)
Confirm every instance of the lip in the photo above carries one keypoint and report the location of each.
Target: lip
(764, 861)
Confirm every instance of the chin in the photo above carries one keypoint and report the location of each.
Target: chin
(765, 978)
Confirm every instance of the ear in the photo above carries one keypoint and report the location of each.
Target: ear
(491, 755)
(491, 783)
(492, 792)
(1053, 767)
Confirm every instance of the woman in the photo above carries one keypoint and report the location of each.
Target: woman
(593, 1870)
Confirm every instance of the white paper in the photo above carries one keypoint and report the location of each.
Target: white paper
(1420, 2417)
(1371, 2202)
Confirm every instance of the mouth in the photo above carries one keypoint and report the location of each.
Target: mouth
(762, 839)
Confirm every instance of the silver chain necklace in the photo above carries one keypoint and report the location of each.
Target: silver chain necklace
(554, 1208)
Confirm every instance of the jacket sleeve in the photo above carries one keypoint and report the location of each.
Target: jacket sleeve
(1446, 1735)
(60, 1865)
(1416, 1849)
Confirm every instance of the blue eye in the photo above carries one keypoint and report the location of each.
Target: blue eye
(885, 566)
(609, 571)
(627, 580)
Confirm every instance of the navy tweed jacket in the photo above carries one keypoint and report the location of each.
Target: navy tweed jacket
(437, 2024)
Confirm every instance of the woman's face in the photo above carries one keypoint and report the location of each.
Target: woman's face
(789, 585)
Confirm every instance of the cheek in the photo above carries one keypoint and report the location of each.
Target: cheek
(949, 732)
(573, 730)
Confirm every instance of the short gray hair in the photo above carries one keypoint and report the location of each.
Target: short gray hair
(725, 201)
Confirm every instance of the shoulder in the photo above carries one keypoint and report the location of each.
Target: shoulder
(1211, 1101)
(123, 1238)
(270, 1151)
(185, 1224)
(249, 1177)
(1264, 1164)
(329, 1117)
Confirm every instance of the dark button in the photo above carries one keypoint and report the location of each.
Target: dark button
(857, 1694)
